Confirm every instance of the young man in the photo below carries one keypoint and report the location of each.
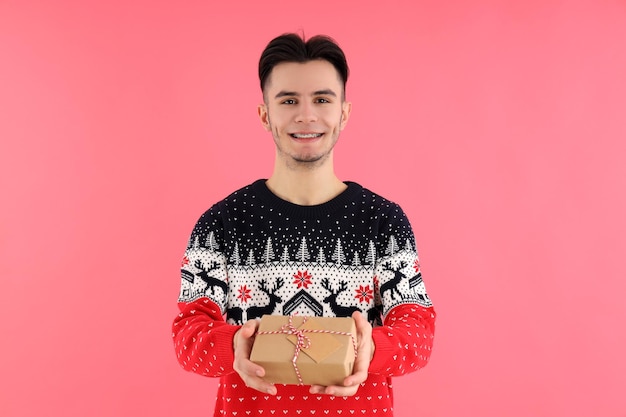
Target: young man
(303, 242)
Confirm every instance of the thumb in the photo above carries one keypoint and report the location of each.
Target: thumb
(249, 328)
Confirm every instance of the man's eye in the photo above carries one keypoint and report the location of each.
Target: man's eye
(289, 101)
(322, 100)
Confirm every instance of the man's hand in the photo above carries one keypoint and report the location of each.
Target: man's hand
(251, 373)
(365, 353)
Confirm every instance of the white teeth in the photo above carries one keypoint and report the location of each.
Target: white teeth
(306, 135)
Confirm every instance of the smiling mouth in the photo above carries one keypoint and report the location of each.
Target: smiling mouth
(305, 135)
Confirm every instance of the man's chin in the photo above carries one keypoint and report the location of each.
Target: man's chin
(309, 161)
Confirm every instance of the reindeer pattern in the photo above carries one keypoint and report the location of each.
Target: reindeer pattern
(248, 292)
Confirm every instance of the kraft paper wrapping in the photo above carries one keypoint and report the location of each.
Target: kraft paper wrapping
(328, 359)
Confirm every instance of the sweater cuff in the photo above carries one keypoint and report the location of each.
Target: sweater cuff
(383, 346)
(224, 348)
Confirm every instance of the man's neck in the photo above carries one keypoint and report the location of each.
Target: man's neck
(305, 187)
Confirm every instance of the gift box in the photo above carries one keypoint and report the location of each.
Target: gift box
(305, 350)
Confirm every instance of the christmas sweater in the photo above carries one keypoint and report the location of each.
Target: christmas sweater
(254, 253)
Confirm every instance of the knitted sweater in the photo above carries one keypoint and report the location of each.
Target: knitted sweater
(254, 253)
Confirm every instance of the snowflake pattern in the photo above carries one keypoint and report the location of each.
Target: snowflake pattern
(244, 294)
(416, 266)
(302, 279)
(364, 294)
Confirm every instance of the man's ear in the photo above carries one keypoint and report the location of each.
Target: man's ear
(264, 116)
(346, 108)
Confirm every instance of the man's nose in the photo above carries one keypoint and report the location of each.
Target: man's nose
(306, 113)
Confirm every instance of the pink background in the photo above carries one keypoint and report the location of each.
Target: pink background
(498, 126)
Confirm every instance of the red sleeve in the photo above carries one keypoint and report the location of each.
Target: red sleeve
(203, 341)
(404, 343)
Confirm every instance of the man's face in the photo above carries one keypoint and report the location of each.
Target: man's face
(305, 111)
